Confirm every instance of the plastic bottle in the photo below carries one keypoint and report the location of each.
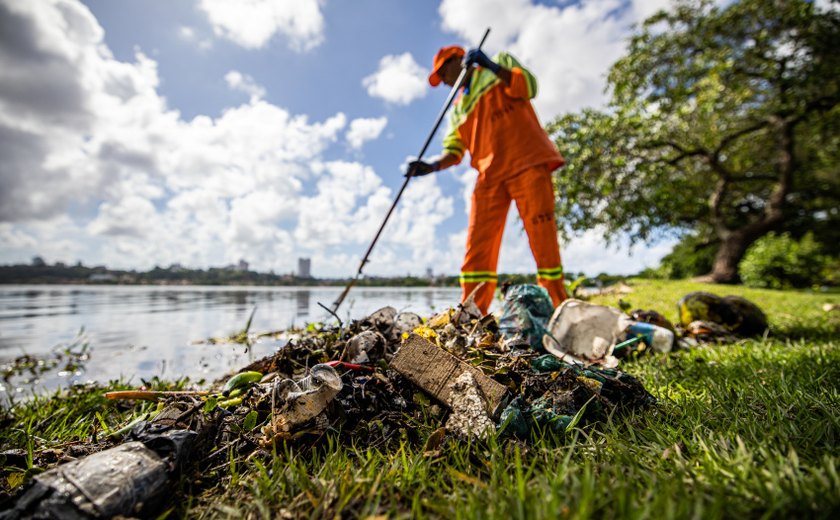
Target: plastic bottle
(658, 338)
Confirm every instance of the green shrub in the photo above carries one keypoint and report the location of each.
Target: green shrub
(780, 262)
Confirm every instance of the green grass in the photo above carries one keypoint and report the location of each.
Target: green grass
(750, 429)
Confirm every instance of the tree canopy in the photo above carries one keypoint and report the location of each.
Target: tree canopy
(721, 121)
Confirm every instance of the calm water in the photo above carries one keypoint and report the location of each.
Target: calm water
(135, 332)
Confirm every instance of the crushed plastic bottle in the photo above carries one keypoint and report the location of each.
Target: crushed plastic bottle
(303, 400)
(657, 338)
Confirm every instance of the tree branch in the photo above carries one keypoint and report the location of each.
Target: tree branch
(776, 201)
(683, 152)
(735, 180)
(774, 210)
(716, 205)
(726, 141)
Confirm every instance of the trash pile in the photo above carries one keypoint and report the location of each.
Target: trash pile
(381, 377)
(387, 379)
(535, 368)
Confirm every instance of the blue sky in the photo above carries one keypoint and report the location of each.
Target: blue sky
(142, 133)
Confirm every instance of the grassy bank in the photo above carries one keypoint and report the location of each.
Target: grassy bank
(747, 429)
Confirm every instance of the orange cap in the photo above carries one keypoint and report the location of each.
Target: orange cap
(440, 58)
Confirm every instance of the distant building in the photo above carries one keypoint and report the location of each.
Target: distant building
(239, 267)
(304, 268)
(37, 261)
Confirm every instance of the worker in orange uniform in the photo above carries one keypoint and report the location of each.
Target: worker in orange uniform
(493, 119)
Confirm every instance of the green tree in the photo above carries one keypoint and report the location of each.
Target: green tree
(721, 122)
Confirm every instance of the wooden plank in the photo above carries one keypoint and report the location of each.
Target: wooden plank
(434, 369)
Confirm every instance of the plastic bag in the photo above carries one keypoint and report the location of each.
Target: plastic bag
(525, 314)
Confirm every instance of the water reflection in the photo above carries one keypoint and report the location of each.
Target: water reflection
(142, 331)
(302, 300)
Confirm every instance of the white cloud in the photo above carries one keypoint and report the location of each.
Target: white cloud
(590, 254)
(132, 216)
(57, 239)
(334, 216)
(97, 167)
(245, 83)
(188, 34)
(13, 237)
(399, 80)
(153, 187)
(421, 210)
(350, 206)
(364, 129)
(568, 47)
(252, 23)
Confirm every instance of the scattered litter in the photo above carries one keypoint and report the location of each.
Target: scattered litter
(584, 333)
(732, 315)
(559, 394)
(131, 479)
(295, 403)
(360, 345)
(118, 481)
(406, 322)
(706, 332)
(525, 314)
(657, 338)
(374, 381)
(653, 318)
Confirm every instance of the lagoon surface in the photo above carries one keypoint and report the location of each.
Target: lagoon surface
(137, 332)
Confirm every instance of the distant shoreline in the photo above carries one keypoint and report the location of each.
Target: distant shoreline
(61, 274)
(318, 283)
(40, 273)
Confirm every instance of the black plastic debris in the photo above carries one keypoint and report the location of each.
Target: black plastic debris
(131, 479)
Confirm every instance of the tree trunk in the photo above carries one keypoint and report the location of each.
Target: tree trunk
(733, 246)
(734, 242)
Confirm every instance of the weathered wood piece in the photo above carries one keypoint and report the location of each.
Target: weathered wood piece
(434, 369)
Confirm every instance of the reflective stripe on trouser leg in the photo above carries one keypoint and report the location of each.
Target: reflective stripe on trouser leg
(555, 286)
(484, 286)
(534, 195)
(488, 211)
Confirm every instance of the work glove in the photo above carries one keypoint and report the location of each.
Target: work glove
(420, 168)
(477, 57)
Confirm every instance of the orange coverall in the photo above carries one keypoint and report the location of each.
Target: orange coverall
(514, 158)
